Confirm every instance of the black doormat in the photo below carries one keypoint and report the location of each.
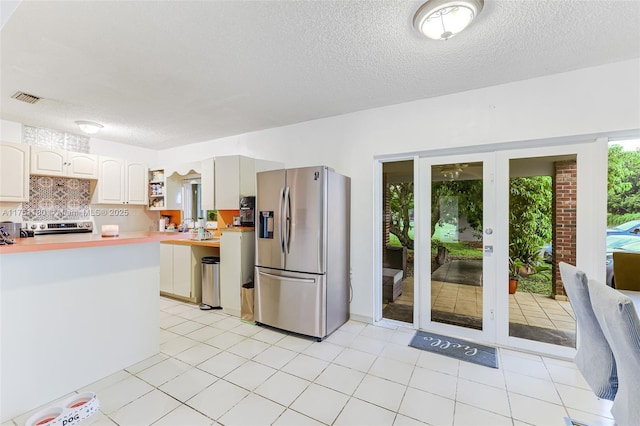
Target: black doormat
(456, 348)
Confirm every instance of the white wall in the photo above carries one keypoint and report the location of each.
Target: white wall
(581, 104)
(10, 131)
(119, 150)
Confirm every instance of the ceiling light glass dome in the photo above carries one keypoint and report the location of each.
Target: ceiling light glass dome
(443, 19)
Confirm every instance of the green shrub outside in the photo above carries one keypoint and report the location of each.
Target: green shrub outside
(614, 220)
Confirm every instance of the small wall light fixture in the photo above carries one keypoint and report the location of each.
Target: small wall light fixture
(442, 19)
(89, 127)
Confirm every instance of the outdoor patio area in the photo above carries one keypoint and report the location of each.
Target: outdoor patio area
(531, 316)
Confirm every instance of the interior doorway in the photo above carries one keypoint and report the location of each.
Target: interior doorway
(397, 284)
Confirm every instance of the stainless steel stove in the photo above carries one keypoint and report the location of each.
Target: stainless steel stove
(60, 227)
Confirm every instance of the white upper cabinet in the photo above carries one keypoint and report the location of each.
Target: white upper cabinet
(110, 188)
(207, 182)
(121, 182)
(48, 162)
(14, 172)
(58, 162)
(235, 177)
(83, 166)
(227, 179)
(136, 183)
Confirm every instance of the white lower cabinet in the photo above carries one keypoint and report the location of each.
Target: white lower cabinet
(166, 268)
(237, 255)
(180, 270)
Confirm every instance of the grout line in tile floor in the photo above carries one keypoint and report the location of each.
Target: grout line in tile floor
(215, 369)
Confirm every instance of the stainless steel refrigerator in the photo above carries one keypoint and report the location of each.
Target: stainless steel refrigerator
(302, 250)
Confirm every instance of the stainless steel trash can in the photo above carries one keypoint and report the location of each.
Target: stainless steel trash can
(210, 283)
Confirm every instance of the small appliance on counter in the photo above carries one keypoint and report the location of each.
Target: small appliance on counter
(5, 238)
(110, 230)
(247, 211)
(11, 229)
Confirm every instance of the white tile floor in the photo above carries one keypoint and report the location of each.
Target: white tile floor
(215, 369)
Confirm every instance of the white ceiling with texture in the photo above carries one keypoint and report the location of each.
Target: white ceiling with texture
(159, 74)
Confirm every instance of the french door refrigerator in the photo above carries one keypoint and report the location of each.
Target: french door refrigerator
(302, 250)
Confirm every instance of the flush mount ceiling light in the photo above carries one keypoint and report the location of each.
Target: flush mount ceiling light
(89, 127)
(442, 19)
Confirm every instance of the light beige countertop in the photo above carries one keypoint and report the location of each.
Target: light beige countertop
(238, 229)
(214, 242)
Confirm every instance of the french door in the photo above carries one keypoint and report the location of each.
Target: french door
(476, 216)
(457, 221)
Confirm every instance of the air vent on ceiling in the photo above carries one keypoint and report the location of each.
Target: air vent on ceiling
(25, 97)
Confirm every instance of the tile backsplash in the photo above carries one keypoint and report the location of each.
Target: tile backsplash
(56, 198)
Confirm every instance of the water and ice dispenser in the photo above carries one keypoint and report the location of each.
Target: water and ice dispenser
(265, 226)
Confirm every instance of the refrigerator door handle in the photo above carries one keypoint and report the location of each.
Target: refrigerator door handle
(287, 219)
(282, 222)
(281, 278)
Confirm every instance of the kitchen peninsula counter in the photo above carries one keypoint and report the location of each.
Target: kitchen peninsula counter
(74, 309)
(75, 241)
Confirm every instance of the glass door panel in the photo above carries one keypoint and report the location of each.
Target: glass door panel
(397, 241)
(457, 207)
(542, 233)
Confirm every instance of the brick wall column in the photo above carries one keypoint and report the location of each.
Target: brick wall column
(565, 185)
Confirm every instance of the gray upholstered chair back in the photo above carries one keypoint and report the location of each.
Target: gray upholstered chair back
(619, 321)
(594, 357)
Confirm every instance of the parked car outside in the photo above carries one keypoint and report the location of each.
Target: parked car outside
(627, 243)
(628, 228)
(547, 252)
